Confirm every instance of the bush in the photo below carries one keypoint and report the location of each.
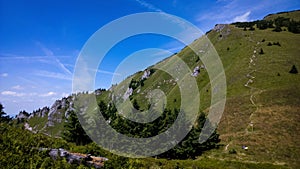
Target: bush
(261, 51)
(276, 43)
(232, 151)
(293, 70)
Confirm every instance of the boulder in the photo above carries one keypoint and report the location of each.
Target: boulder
(128, 93)
(76, 158)
(146, 74)
(196, 71)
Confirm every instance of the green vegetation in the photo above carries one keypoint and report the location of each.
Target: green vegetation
(19, 148)
(263, 115)
(73, 132)
(294, 70)
(274, 21)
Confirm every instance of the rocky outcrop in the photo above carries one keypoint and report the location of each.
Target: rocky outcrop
(146, 74)
(40, 112)
(64, 103)
(196, 71)
(27, 127)
(76, 158)
(128, 93)
(55, 114)
(219, 27)
(23, 115)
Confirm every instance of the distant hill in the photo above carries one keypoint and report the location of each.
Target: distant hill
(262, 109)
(295, 15)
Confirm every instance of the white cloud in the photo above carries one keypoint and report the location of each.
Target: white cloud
(12, 93)
(65, 94)
(107, 72)
(50, 54)
(4, 75)
(48, 94)
(17, 87)
(148, 6)
(242, 18)
(54, 75)
(32, 94)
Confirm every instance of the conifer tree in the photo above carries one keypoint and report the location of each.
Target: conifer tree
(73, 131)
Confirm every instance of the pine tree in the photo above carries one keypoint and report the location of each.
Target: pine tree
(261, 51)
(294, 70)
(3, 116)
(135, 104)
(73, 131)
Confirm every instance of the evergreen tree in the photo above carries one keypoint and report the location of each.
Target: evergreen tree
(3, 116)
(190, 147)
(135, 104)
(73, 131)
(261, 51)
(294, 70)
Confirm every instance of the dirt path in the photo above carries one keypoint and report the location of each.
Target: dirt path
(254, 91)
(253, 59)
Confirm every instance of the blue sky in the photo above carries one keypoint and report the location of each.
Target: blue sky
(40, 40)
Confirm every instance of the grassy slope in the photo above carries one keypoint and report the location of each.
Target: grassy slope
(275, 109)
(295, 15)
(275, 112)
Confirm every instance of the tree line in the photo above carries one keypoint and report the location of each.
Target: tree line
(189, 147)
(276, 24)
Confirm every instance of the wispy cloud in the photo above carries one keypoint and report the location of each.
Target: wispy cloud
(50, 54)
(168, 52)
(12, 93)
(108, 72)
(148, 6)
(33, 83)
(242, 18)
(223, 13)
(156, 9)
(53, 75)
(185, 28)
(98, 71)
(65, 94)
(48, 94)
(4, 74)
(17, 87)
(227, 11)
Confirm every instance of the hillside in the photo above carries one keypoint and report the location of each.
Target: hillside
(295, 15)
(262, 106)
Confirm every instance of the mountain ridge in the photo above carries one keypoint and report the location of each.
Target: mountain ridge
(261, 93)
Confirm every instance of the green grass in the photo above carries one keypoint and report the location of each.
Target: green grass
(275, 115)
(38, 122)
(295, 15)
(271, 93)
(201, 163)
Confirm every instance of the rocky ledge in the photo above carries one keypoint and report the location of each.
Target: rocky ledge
(76, 158)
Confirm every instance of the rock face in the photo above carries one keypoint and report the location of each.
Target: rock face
(40, 112)
(196, 71)
(128, 93)
(146, 74)
(22, 115)
(49, 120)
(55, 114)
(76, 158)
(223, 29)
(219, 27)
(27, 127)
